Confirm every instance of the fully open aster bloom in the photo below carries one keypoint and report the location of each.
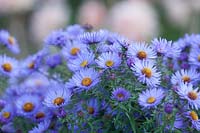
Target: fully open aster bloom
(57, 96)
(57, 38)
(27, 104)
(9, 41)
(194, 57)
(83, 60)
(187, 92)
(43, 113)
(147, 73)
(8, 66)
(141, 51)
(93, 37)
(151, 97)
(72, 49)
(108, 60)
(85, 79)
(185, 76)
(121, 94)
(193, 116)
(41, 127)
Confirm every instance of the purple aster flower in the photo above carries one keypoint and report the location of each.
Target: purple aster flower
(121, 94)
(85, 79)
(27, 104)
(185, 76)
(161, 46)
(146, 72)
(8, 66)
(7, 113)
(53, 60)
(193, 116)
(130, 62)
(9, 41)
(151, 98)
(2, 103)
(92, 107)
(61, 113)
(57, 96)
(179, 122)
(109, 60)
(82, 61)
(194, 57)
(41, 127)
(8, 128)
(42, 114)
(168, 108)
(141, 51)
(75, 30)
(57, 38)
(72, 49)
(93, 37)
(187, 92)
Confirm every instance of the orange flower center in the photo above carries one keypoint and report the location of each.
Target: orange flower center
(11, 40)
(6, 115)
(28, 107)
(59, 101)
(7, 67)
(84, 63)
(90, 110)
(109, 63)
(142, 55)
(31, 65)
(86, 81)
(194, 115)
(120, 95)
(151, 100)
(74, 51)
(199, 58)
(147, 72)
(186, 79)
(40, 115)
(192, 95)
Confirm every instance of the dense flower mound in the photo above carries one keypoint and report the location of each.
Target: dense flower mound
(98, 81)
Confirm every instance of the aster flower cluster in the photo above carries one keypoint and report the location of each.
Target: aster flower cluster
(99, 81)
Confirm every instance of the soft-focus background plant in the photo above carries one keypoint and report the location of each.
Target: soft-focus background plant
(31, 20)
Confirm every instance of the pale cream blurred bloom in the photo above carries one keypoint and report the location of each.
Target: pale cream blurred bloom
(51, 16)
(135, 19)
(93, 13)
(16, 6)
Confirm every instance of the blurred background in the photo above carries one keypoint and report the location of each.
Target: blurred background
(30, 21)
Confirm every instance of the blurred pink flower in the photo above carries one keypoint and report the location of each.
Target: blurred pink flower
(135, 19)
(92, 12)
(50, 16)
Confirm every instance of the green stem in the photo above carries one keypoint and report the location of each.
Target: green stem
(132, 122)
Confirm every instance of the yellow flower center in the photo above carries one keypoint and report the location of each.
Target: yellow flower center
(120, 95)
(7, 67)
(141, 55)
(194, 115)
(28, 107)
(74, 51)
(109, 63)
(86, 81)
(59, 101)
(40, 115)
(192, 95)
(151, 100)
(6, 115)
(84, 63)
(31, 65)
(11, 40)
(186, 79)
(90, 110)
(147, 72)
